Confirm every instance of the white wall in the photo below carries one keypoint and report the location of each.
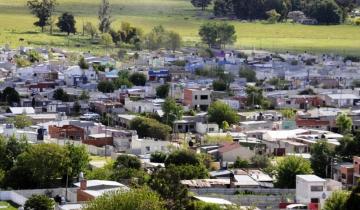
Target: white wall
(207, 128)
(148, 146)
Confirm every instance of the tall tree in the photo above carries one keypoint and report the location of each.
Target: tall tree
(201, 3)
(104, 16)
(90, 29)
(217, 34)
(287, 169)
(163, 91)
(344, 123)
(66, 23)
(321, 158)
(172, 111)
(248, 73)
(11, 96)
(43, 10)
(78, 159)
(173, 41)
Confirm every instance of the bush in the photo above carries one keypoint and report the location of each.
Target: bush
(147, 127)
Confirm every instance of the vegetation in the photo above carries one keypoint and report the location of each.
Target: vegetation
(106, 86)
(219, 112)
(39, 202)
(138, 79)
(287, 169)
(241, 163)
(337, 201)
(217, 35)
(247, 73)
(172, 111)
(43, 10)
(349, 147)
(104, 15)
(137, 199)
(67, 23)
(255, 97)
(163, 91)
(20, 121)
(10, 96)
(147, 127)
(61, 95)
(344, 123)
(321, 158)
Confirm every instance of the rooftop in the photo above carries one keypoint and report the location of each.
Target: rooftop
(311, 178)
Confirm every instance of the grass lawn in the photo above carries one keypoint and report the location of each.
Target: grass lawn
(4, 205)
(16, 22)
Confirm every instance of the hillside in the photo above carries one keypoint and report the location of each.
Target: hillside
(16, 22)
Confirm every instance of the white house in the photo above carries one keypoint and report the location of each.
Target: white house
(313, 189)
(204, 128)
(341, 100)
(148, 146)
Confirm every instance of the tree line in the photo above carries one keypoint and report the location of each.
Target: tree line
(324, 11)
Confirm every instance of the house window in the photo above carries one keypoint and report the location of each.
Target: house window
(343, 176)
(191, 126)
(195, 97)
(204, 97)
(147, 149)
(314, 200)
(316, 188)
(211, 129)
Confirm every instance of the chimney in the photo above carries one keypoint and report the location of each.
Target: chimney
(83, 184)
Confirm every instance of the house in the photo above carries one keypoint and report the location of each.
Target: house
(204, 128)
(141, 106)
(149, 146)
(344, 173)
(341, 100)
(91, 189)
(230, 151)
(124, 120)
(199, 99)
(356, 162)
(99, 140)
(71, 132)
(21, 110)
(313, 189)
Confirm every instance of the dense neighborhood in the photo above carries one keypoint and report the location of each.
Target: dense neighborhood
(236, 129)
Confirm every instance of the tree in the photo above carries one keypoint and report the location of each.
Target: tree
(219, 112)
(308, 91)
(122, 82)
(255, 97)
(34, 56)
(10, 149)
(201, 3)
(354, 200)
(173, 41)
(39, 202)
(104, 14)
(40, 166)
(156, 38)
(344, 123)
(146, 127)
(325, 12)
(288, 113)
(82, 63)
(20, 121)
(84, 96)
(217, 34)
(78, 159)
(163, 91)
(158, 157)
(219, 85)
(247, 73)
(321, 155)
(137, 199)
(106, 86)
(90, 29)
(337, 201)
(241, 163)
(66, 23)
(61, 95)
(127, 161)
(349, 147)
(182, 157)
(223, 8)
(106, 40)
(273, 16)
(11, 96)
(76, 108)
(260, 161)
(172, 111)
(287, 169)
(43, 10)
(138, 79)
(166, 182)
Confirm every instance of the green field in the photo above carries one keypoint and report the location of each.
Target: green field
(179, 15)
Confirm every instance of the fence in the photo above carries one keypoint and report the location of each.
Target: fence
(232, 191)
